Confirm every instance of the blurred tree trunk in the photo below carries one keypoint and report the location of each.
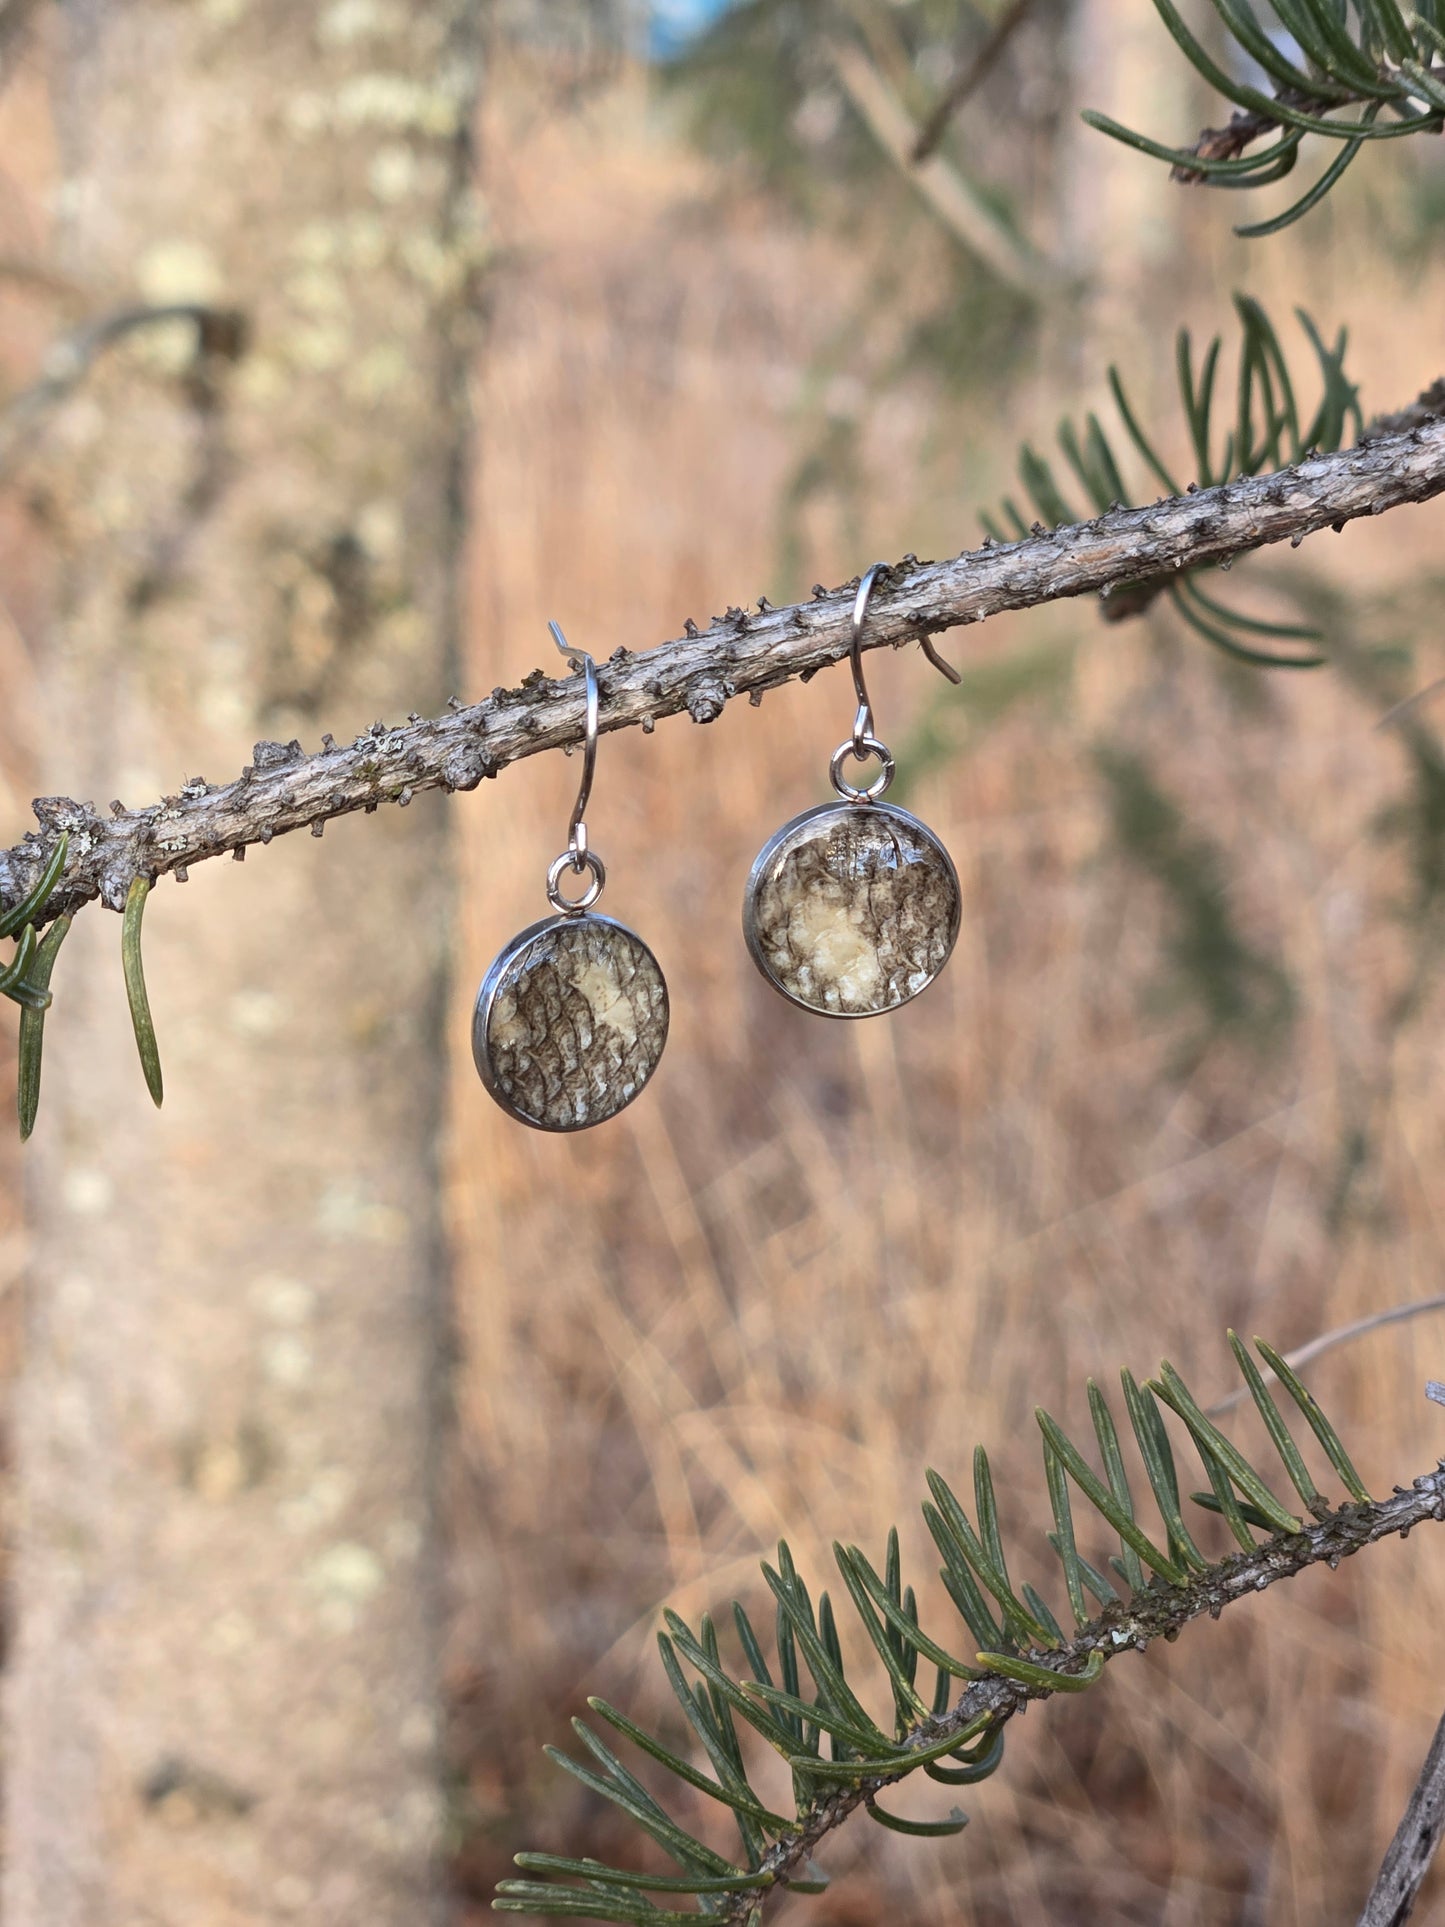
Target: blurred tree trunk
(223, 1692)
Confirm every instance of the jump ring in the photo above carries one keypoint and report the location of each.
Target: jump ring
(589, 896)
(850, 791)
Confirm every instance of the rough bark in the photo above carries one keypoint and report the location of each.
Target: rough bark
(1393, 1896)
(222, 1703)
(288, 789)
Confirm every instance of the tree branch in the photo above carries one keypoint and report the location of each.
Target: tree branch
(969, 76)
(1393, 1896)
(15, 19)
(1160, 1612)
(1326, 1341)
(738, 654)
(948, 191)
(219, 331)
(1248, 124)
(1244, 126)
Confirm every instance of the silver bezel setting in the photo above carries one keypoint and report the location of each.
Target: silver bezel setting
(770, 850)
(486, 996)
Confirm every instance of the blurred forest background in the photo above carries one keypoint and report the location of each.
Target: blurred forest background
(1184, 1071)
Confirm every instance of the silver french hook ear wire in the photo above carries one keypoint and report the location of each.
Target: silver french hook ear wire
(862, 743)
(863, 720)
(577, 827)
(578, 856)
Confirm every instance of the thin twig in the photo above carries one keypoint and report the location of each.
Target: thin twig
(738, 654)
(968, 77)
(1406, 708)
(30, 272)
(15, 19)
(1326, 1342)
(1244, 126)
(1393, 1896)
(1159, 1612)
(1249, 124)
(219, 331)
(948, 191)
(1428, 403)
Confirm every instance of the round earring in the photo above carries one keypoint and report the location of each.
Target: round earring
(853, 907)
(571, 1019)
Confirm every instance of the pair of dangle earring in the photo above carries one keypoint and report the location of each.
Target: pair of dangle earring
(571, 1019)
(852, 908)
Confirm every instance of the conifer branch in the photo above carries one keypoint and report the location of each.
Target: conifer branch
(1349, 76)
(1244, 126)
(1009, 1646)
(286, 789)
(1241, 427)
(1126, 1627)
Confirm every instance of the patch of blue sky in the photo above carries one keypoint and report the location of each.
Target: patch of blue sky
(674, 24)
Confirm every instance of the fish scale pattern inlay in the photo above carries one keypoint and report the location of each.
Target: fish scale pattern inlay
(852, 909)
(571, 1022)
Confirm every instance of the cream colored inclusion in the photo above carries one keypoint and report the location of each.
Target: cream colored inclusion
(597, 981)
(503, 1027)
(830, 935)
(610, 1005)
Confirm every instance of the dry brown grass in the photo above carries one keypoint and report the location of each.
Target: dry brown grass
(817, 1258)
(29, 305)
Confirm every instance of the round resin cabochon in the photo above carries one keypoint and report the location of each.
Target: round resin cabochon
(570, 1022)
(852, 908)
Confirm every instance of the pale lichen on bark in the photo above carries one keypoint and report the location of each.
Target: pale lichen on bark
(227, 1563)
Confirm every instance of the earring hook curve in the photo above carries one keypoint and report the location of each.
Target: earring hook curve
(577, 827)
(863, 720)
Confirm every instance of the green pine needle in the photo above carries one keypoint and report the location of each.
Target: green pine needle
(29, 908)
(1355, 66)
(1043, 1677)
(919, 1829)
(1328, 1437)
(955, 1746)
(135, 988)
(1259, 427)
(32, 1026)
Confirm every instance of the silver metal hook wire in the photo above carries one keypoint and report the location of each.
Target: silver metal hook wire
(577, 827)
(864, 743)
(577, 857)
(863, 721)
